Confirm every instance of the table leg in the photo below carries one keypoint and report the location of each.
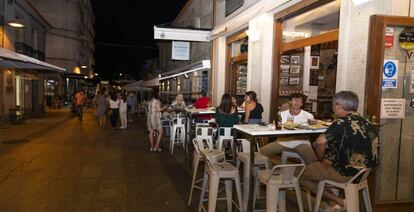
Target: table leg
(251, 173)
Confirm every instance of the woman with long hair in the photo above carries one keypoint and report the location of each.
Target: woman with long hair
(253, 109)
(123, 109)
(101, 108)
(226, 113)
(179, 102)
(154, 121)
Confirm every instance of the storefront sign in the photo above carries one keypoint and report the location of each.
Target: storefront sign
(392, 108)
(180, 50)
(389, 38)
(390, 74)
(407, 39)
(412, 82)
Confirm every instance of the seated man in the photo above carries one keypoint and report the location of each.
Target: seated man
(293, 143)
(349, 144)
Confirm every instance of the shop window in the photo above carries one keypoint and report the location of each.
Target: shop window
(307, 57)
(237, 49)
(232, 5)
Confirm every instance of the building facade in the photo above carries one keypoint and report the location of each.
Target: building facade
(184, 55)
(321, 47)
(70, 42)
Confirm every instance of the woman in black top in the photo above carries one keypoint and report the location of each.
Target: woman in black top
(253, 109)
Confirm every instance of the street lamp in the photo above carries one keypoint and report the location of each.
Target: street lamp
(120, 74)
(96, 74)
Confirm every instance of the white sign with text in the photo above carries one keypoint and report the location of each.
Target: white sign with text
(392, 108)
(180, 50)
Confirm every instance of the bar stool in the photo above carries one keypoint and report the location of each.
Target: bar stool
(280, 177)
(351, 189)
(204, 131)
(177, 132)
(224, 133)
(243, 155)
(207, 149)
(283, 160)
(213, 172)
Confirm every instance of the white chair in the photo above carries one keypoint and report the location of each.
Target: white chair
(206, 147)
(280, 177)
(283, 160)
(204, 131)
(243, 155)
(213, 173)
(224, 133)
(351, 189)
(177, 132)
(166, 125)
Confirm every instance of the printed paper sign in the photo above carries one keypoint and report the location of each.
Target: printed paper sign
(180, 50)
(389, 37)
(392, 108)
(390, 74)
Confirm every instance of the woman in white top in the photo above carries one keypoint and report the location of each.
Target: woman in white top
(123, 108)
(295, 143)
(114, 103)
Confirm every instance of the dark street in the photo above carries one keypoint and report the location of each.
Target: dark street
(60, 164)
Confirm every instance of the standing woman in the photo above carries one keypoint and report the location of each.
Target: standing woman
(101, 108)
(154, 121)
(253, 109)
(123, 108)
(114, 103)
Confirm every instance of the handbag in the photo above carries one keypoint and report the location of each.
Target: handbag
(110, 112)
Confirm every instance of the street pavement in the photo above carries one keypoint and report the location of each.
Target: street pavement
(58, 163)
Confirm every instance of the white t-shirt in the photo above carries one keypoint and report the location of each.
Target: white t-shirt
(302, 117)
(123, 107)
(114, 104)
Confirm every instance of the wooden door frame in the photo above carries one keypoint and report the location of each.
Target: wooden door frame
(230, 85)
(373, 89)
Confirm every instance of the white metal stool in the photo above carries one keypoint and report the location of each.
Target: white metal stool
(243, 155)
(177, 132)
(224, 133)
(207, 149)
(351, 191)
(280, 177)
(213, 172)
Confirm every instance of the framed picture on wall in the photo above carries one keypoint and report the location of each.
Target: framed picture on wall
(284, 69)
(294, 81)
(314, 62)
(284, 80)
(294, 69)
(285, 59)
(295, 60)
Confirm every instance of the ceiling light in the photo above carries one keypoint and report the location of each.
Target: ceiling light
(186, 76)
(359, 2)
(16, 22)
(84, 66)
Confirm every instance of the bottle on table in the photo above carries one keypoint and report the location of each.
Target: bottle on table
(279, 121)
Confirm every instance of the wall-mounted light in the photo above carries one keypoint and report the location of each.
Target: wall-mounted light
(86, 77)
(83, 66)
(16, 22)
(186, 76)
(120, 74)
(96, 74)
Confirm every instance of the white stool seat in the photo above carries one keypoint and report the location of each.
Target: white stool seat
(258, 158)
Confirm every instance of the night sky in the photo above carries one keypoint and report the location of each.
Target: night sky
(124, 36)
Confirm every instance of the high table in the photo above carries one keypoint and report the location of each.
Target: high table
(254, 131)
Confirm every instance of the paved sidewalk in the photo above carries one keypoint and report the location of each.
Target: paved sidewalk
(32, 127)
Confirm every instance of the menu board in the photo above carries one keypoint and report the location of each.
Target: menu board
(291, 69)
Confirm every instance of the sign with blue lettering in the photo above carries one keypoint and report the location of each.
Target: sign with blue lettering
(390, 74)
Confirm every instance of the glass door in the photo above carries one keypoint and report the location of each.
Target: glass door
(390, 102)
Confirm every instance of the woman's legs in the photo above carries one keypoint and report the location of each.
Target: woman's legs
(123, 116)
(159, 136)
(114, 117)
(151, 138)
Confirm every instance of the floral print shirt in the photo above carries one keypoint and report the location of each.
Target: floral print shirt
(352, 143)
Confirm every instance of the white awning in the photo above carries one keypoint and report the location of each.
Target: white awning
(152, 82)
(202, 65)
(167, 33)
(136, 86)
(11, 59)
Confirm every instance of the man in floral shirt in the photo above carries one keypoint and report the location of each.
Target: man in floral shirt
(349, 144)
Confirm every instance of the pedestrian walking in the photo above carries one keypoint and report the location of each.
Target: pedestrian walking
(114, 103)
(132, 101)
(101, 108)
(123, 112)
(154, 121)
(80, 100)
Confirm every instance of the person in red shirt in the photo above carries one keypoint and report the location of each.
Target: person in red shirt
(202, 103)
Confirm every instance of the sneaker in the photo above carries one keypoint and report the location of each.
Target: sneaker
(152, 149)
(158, 150)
